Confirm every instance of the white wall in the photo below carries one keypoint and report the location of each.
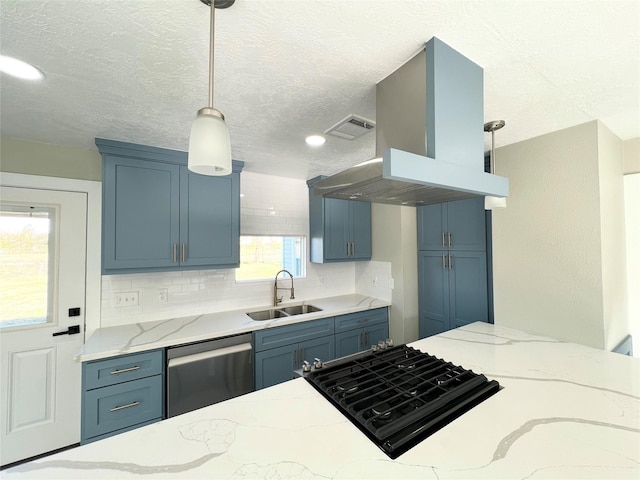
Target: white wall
(631, 155)
(549, 273)
(269, 205)
(395, 242)
(632, 219)
(612, 237)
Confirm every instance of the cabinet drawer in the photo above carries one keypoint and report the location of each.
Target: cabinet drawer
(120, 406)
(286, 335)
(361, 319)
(101, 373)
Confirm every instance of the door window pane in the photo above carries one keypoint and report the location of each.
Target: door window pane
(261, 257)
(27, 265)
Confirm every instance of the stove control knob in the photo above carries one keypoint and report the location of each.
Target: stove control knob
(306, 367)
(317, 363)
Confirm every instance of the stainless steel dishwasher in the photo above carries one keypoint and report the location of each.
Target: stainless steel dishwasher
(205, 373)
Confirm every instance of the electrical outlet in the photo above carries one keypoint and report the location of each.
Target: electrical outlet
(126, 299)
(163, 295)
(374, 281)
(322, 279)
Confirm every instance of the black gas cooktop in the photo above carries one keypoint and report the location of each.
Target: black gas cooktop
(399, 396)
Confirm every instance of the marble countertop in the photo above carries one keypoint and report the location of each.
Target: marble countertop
(139, 337)
(566, 411)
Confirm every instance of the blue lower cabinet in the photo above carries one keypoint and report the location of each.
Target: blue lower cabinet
(121, 393)
(348, 343)
(356, 332)
(119, 406)
(281, 350)
(276, 365)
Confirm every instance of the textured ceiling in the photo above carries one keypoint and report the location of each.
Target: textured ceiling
(137, 70)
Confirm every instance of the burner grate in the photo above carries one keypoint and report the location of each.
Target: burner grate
(399, 396)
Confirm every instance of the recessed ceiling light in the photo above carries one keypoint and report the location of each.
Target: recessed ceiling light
(19, 69)
(315, 140)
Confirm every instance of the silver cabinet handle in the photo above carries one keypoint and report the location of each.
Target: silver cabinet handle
(366, 338)
(444, 261)
(450, 262)
(362, 339)
(184, 252)
(124, 370)
(363, 320)
(443, 239)
(353, 249)
(295, 358)
(348, 249)
(302, 354)
(122, 407)
(175, 253)
(449, 238)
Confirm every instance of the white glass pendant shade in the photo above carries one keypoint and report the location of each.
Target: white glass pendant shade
(495, 202)
(209, 146)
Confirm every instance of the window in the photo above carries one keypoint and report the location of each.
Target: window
(27, 265)
(261, 257)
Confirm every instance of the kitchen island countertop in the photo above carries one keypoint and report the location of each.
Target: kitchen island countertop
(565, 411)
(139, 337)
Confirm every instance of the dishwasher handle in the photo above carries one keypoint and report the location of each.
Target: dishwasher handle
(197, 357)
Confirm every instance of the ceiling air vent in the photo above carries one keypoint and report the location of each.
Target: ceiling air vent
(351, 127)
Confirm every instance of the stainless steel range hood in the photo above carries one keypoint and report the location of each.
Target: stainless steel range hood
(429, 136)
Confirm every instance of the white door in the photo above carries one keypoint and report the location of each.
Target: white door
(42, 293)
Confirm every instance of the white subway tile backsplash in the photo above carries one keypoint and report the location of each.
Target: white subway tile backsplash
(202, 291)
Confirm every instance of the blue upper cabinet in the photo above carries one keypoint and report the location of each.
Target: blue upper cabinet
(340, 230)
(458, 225)
(159, 216)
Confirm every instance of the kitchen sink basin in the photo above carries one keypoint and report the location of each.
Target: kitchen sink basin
(273, 313)
(300, 309)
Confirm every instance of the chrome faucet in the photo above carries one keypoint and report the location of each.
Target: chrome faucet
(277, 300)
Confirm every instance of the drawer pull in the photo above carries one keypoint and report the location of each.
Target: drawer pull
(122, 407)
(124, 370)
(363, 320)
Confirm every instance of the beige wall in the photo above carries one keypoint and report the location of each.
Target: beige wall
(31, 158)
(612, 237)
(564, 216)
(632, 231)
(631, 155)
(395, 240)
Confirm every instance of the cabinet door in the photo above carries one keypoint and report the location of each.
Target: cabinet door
(361, 230)
(433, 292)
(275, 366)
(468, 288)
(322, 348)
(432, 224)
(140, 213)
(209, 228)
(375, 333)
(348, 343)
(336, 229)
(466, 224)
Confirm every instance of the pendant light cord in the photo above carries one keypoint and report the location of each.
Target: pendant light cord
(211, 37)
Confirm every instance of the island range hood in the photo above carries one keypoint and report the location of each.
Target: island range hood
(429, 136)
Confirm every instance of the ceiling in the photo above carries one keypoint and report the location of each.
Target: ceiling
(136, 71)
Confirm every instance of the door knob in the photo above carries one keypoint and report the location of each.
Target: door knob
(72, 330)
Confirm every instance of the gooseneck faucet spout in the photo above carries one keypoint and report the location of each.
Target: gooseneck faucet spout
(277, 300)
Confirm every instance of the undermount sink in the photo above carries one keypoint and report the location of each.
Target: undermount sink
(300, 309)
(273, 313)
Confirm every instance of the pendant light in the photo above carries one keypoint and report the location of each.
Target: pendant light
(493, 202)
(209, 143)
